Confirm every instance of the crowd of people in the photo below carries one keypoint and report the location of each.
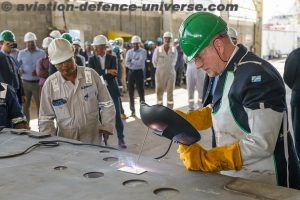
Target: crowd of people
(123, 65)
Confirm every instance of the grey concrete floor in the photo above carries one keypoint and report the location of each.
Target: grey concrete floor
(135, 130)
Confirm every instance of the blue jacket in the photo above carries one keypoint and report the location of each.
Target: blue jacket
(10, 76)
(10, 109)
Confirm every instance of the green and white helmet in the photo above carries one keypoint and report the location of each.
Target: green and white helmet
(196, 32)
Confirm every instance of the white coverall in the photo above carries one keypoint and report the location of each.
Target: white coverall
(76, 107)
(165, 75)
(195, 81)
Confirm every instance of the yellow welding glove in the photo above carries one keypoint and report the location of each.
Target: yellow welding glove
(200, 119)
(194, 157)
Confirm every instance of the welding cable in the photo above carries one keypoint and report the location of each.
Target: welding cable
(29, 149)
(80, 144)
(160, 157)
(51, 143)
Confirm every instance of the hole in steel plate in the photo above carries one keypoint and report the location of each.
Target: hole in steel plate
(104, 151)
(135, 183)
(60, 168)
(166, 192)
(93, 174)
(110, 159)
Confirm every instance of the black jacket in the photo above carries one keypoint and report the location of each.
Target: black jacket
(292, 75)
(10, 109)
(11, 76)
(110, 63)
(254, 84)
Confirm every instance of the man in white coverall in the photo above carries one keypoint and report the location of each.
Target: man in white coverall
(194, 82)
(76, 97)
(164, 60)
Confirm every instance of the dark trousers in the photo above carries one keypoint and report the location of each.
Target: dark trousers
(296, 126)
(119, 75)
(179, 74)
(121, 106)
(135, 77)
(153, 70)
(119, 124)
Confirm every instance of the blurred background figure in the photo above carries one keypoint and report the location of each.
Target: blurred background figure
(28, 58)
(194, 82)
(232, 33)
(42, 65)
(179, 67)
(164, 60)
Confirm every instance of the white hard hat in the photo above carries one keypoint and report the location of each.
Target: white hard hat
(55, 34)
(99, 40)
(136, 39)
(232, 33)
(59, 51)
(175, 40)
(29, 37)
(168, 34)
(76, 41)
(109, 46)
(46, 42)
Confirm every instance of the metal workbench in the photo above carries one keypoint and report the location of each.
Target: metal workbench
(35, 176)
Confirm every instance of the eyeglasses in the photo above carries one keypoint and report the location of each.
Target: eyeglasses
(197, 58)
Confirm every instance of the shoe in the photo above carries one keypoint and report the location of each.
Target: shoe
(133, 114)
(123, 116)
(122, 144)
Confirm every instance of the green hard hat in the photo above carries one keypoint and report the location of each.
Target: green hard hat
(196, 32)
(67, 37)
(7, 36)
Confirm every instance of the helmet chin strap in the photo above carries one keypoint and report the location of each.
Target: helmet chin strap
(218, 52)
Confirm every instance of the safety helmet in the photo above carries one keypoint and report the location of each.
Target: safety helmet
(29, 37)
(7, 36)
(87, 43)
(100, 40)
(168, 35)
(76, 41)
(196, 32)
(55, 34)
(46, 42)
(109, 47)
(232, 33)
(119, 41)
(60, 50)
(136, 39)
(67, 37)
(159, 40)
(150, 43)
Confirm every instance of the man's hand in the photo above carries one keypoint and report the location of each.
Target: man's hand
(112, 72)
(200, 119)
(21, 71)
(105, 134)
(33, 73)
(217, 159)
(23, 99)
